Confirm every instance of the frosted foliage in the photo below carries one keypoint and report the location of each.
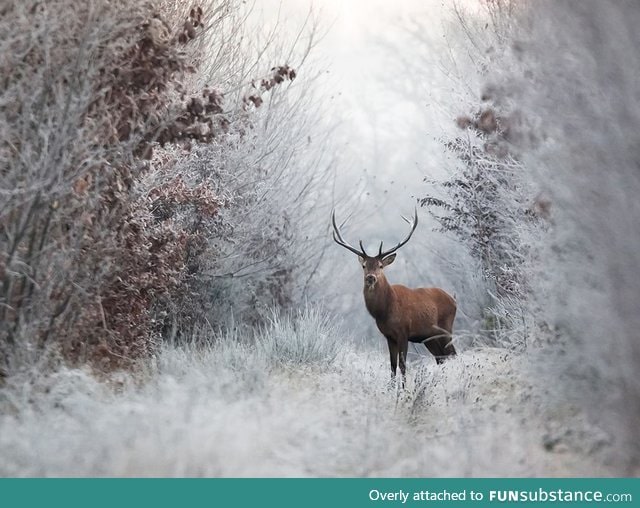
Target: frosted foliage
(308, 339)
(581, 87)
(486, 206)
(235, 409)
(271, 183)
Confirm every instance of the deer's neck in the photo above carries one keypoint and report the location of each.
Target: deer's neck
(379, 300)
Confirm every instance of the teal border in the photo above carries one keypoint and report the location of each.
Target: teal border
(311, 493)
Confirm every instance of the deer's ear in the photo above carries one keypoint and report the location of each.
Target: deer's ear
(361, 259)
(388, 260)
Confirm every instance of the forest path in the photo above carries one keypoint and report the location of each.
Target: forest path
(223, 413)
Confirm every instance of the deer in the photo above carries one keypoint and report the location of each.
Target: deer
(402, 314)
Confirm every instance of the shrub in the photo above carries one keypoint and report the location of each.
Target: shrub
(98, 236)
(489, 204)
(307, 337)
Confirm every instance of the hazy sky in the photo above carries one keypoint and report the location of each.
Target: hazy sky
(389, 117)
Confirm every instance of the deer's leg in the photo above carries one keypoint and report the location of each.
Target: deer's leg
(446, 340)
(393, 356)
(439, 343)
(403, 347)
(433, 346)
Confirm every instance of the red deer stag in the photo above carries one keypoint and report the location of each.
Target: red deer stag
(404, 315)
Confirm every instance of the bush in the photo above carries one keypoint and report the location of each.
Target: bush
(308, 337)
(489, 204)
(99, 235)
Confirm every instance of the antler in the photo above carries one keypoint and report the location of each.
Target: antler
(413, 223)
(337, 237)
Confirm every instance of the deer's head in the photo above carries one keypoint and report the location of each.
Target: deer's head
(373, 265)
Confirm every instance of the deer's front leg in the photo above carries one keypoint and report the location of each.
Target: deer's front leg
(393, 356)
(403, 348)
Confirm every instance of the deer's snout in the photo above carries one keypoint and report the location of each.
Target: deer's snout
(370, 279)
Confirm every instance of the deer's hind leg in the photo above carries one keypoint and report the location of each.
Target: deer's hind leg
(434, 347)
(446, 338)
(438, 342)
(446, 326)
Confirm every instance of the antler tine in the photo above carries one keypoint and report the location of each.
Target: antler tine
(414, 224)
(362, 249)
(380, 250)
(337, 237)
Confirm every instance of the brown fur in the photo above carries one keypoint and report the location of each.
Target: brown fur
(406, 315)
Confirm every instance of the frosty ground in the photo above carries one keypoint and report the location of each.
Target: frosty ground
(300, 400)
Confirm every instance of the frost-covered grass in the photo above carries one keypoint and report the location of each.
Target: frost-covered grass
(238, 408)
(309, 337)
